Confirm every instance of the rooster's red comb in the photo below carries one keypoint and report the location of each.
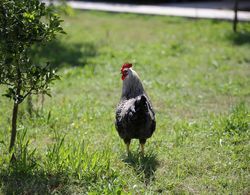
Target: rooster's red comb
(126, 65)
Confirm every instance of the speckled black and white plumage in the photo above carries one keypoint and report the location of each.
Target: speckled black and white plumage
(135, 117)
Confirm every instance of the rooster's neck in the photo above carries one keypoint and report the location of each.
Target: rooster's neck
(132, 86)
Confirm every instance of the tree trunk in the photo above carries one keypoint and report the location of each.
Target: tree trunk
(29, 105)
(13, 127)
(235, 16)
(14, 114)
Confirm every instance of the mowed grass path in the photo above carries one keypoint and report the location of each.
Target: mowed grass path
(197, 73)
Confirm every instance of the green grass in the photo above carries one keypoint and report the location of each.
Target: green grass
(197, 73)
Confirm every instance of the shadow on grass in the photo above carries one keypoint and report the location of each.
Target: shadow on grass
(32, 183)
(144, 166)
(240, 38)
(62, 54)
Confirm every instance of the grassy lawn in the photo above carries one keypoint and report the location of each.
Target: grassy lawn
(197, 73)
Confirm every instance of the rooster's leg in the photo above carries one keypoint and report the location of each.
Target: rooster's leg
(142, 149)
(128, 148)
(127, 142)
(142, 143)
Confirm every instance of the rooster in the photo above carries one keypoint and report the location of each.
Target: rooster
(135, 117)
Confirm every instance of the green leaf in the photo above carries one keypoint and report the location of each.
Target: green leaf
(22, 25)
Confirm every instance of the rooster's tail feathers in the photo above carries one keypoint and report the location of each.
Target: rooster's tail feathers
(141, 103)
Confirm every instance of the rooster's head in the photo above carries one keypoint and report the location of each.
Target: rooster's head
(124, 70)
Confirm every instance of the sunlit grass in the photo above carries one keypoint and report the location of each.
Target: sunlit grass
(197, 75)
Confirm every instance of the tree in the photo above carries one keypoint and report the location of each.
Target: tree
(22, 25)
